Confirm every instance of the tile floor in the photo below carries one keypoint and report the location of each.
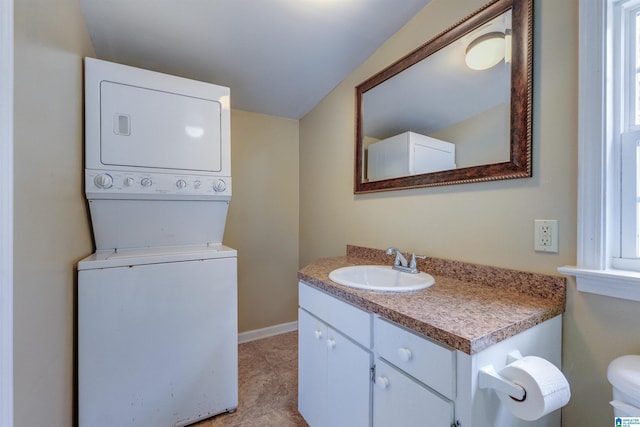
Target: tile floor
(267, 385)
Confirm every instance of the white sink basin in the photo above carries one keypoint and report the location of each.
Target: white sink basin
(380, 278)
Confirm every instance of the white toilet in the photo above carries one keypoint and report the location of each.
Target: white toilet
(624, 376)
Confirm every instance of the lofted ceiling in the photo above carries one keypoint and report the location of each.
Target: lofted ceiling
(279, 57)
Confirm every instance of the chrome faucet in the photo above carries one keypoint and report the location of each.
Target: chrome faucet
(400, 262)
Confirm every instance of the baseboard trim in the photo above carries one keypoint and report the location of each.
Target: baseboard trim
(269, 331)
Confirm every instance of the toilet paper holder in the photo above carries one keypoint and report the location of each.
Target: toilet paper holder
(489, 378)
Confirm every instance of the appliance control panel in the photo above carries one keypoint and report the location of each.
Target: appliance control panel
(130, 185)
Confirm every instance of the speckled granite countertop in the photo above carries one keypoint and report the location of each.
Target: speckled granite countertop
(469, 308)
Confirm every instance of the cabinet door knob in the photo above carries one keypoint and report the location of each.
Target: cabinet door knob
(331, 343)
(318, 334)
(404, 354)
(382, 382)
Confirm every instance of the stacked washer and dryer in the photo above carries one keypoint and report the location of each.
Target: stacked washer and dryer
(157, 301)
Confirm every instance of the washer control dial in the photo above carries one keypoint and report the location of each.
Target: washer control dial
(128, 181)
(103, 180)
(146, 182)
(181, 183)
(219, 186)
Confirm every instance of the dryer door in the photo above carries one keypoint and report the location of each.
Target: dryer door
(149, 128)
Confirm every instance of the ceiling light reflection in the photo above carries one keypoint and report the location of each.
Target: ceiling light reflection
(485, 51)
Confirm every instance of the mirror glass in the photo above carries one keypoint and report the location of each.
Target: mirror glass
(436, 117)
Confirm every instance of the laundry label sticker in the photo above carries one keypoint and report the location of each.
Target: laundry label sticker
(626, 421)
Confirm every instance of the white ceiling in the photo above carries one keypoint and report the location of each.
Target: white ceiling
(279, 57)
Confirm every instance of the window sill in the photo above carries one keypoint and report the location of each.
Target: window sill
(613, 283)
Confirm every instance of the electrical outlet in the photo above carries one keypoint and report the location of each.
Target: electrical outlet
(545, 235)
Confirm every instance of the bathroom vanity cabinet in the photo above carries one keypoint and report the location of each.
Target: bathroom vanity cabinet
(337, 368)
(358, 368)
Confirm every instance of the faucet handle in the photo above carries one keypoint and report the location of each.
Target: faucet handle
(413, 264)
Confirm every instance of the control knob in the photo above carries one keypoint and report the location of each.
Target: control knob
(103, 180)
(219, 186)
(181, 183)
(128, 181)
(146, 182)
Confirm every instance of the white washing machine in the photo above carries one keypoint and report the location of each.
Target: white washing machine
(158, 336)
(157, 301)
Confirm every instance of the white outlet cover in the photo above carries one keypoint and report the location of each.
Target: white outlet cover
(545, 235)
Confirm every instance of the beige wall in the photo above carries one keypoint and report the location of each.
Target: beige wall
(263, 217)
(51, 227)
(487, 223)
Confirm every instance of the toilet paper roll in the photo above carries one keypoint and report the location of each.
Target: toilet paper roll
(547, 389)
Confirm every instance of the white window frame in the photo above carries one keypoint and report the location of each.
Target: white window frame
(6, 213)
(628, 258)
(625, 126)
(598, 188)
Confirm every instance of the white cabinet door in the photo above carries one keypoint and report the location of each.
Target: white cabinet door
(312, 369)
(333, 376)
(349, 382)
(401, 401)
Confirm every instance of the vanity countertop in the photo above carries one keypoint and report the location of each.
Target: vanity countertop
(469, 308)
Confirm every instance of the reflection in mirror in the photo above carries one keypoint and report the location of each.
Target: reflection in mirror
(440, 114)
(437, 117)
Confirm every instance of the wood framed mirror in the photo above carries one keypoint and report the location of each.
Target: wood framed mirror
(429, 119)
